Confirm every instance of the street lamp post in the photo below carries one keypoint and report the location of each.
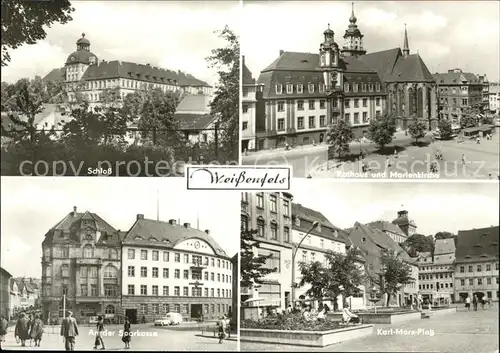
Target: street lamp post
(314, 225)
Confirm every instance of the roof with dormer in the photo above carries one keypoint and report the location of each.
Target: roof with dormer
(387, 227)
(163, 234)
(308, 216)
(477, 244)
(456, 78)
(75, 221)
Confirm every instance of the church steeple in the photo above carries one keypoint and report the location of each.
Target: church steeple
(406, 47)
(353, 39)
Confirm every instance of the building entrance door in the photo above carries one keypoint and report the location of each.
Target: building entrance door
(132, 315)
(196, 311)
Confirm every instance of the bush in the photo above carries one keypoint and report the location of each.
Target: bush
(290, 322)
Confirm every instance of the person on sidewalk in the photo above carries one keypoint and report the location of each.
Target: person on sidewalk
(474, 302)
(100, 328)
(36, 331)
(348, 316)
(222, 328)
(22, 329)
(126, 333)
(467, 303)
(4, 324)
(69, 330)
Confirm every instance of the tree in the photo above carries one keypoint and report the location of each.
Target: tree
(417, 243)
(342, 275)
(445, 130)
(470, 116)
(395, 273)
(416, 128)
(339, 135)
(381, 130)
(225, 104)
(24, 22)
(252, 268)
(443, 235)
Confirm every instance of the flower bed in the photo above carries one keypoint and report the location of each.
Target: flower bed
(289, 323)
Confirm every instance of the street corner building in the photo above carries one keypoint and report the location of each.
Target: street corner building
(171, 267)
(81, 268)
(299, 94)
(156, 267)
(288, 233)
(476, 264)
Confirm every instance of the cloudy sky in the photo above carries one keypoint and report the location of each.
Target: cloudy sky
(447, 34)
(169, 34)
(31, 206)
(434, 207)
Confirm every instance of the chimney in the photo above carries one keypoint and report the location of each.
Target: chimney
(281, 52)
(74, 210)
(207, 231)
(242, 60)
(172, 222)
(187, 225)
(140, 216)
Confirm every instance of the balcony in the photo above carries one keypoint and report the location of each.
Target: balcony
(197, 266)
(88, 299)
(196, 283)
(89, 262)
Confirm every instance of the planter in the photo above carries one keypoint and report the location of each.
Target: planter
(306, 338)
(383, 317)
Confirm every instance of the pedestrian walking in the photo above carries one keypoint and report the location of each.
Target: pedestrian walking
(126, 333)
(4, 324)
(98, 338)
(467, 303)
(474, 302)
(22, 330)
(464, 161)
(36, 330)
(222, 328)
(69, 330)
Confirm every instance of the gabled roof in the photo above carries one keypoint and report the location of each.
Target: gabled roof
(56, 75)
(456, 78)
(198, 103)
(73, 221)
(383, 62)
(247, 76)
(477, 244)
(444, 246)
(5, 273)
(194, 121)
(387, 226)
(308, 216)
(167, 235)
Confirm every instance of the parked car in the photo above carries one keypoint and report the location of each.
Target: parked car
(175, 318)
(164, 321)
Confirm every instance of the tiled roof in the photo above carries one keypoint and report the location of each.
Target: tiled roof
(80, 56)
(194, 121)
(386, 226)
(247, 76)
(56, 75)
(303, 68)
(456, 78)
(5, 272)
(124, 69)
(392, 66)
(167, 235)
(444, 246)
(308, 216)
(381, 240)
(194, 103)
(73, 221)
(477, 244)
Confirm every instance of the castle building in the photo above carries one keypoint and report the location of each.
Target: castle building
(458, 91)
(81, 267)
(83, 69)
(171, 267)
(305, 92)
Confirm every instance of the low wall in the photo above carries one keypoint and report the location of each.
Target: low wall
(306, 338)
(383, 317)
(436, 312)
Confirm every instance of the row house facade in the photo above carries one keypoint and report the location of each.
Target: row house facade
(251, 93)
(271, 215)
(5, 293)
(458, 91)
(476, 265)
(171, 267)
(305, 92)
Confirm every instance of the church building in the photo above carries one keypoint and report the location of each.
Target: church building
(304, 92)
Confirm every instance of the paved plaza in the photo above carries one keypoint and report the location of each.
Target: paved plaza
(164, 340)
(481, 160)
(460, 332)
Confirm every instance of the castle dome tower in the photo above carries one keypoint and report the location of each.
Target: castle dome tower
(353, 38)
